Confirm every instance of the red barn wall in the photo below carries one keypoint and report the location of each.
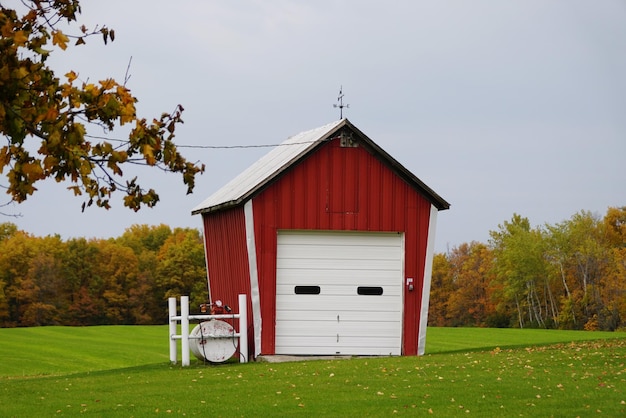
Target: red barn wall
(337, 188)
(227, 258)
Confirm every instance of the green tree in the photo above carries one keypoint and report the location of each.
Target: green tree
(587, 257)
(39, 111)
(521, 268)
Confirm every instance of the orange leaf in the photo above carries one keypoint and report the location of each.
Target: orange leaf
(20, 39)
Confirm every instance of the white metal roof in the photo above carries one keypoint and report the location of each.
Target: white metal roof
(266, 168)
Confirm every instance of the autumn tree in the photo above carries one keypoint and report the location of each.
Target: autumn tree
(182, 269)
(441, 287)
(146, 242)
(43, 292)
(470, 302)
(86, 306)
(116, 268)
(7, 230)
(46, 119)
(614, 283)
(15, 253)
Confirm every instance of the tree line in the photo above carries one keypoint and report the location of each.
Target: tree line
(571, 275)
(124, 280)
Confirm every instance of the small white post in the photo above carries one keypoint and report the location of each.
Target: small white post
(184, 329)
(243, 329)
(171, 302)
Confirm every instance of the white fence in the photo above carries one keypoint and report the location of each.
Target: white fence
(184, 336)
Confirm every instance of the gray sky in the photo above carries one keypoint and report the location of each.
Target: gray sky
(501, 107)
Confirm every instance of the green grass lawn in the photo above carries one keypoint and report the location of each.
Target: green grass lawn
(125, 371)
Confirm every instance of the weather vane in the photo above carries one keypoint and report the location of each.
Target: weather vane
(340, 104)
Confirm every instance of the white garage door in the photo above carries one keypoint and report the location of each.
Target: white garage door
(339, 293)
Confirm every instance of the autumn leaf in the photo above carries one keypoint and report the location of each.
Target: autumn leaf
(60, 39)
(107, 84)
(20, 38)
(71, 76)
(5, 157)
(76, 190)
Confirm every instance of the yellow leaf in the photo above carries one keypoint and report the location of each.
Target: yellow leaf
(71, 76)
(59, 38)
(107, 84)
(19, 38)
(32, 170)
(50, 162)
(91, 89)
(148, 154)
(4, 157)
(127, 113)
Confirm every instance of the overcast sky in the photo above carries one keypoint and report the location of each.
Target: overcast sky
(501, 107)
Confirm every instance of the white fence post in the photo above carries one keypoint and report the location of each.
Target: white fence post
(243, 329)
(184, 328)
(171, 302)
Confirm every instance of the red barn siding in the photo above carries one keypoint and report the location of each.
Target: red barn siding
(227, 257)
(348, 189)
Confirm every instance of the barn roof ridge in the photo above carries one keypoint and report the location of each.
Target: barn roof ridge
(281, 158)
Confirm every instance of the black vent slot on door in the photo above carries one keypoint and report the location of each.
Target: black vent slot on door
(307, 290)
(369, 290)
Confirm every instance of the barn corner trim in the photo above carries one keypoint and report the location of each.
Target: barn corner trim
(428, 271)
(255, 294)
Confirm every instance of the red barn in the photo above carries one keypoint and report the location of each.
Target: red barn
(332, 240)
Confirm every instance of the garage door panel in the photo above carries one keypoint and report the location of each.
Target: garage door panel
(356, 326)
(337, 238)
(338, 303)
(360, 289)
(335, 264)
(298, 340)
(334, 252)
(346, 346)
(330, 276)
(356, 279)
(330, 315)
(344, 329)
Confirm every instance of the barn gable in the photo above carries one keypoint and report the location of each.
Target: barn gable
(290, 152)
(335, 187)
